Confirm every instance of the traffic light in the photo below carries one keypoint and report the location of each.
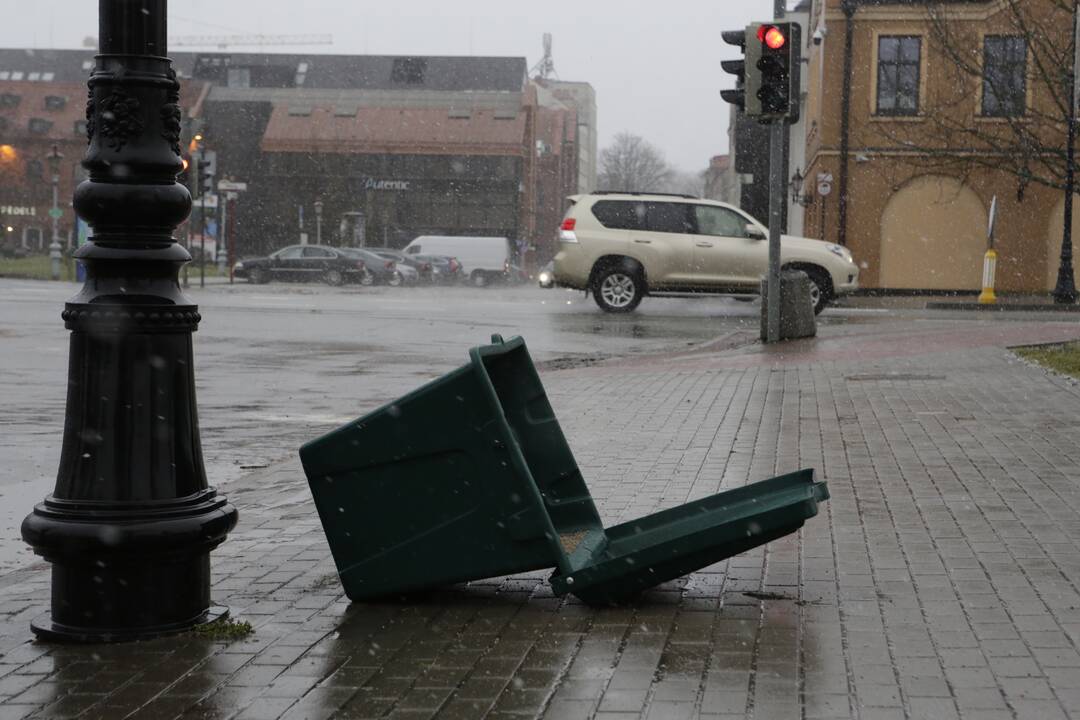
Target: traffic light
(206, 179)
(735, 67)
(772, 86)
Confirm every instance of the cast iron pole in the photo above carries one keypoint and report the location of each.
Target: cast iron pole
(131, 523)
(1065, 289)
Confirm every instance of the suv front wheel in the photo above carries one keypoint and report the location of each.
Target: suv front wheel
(618, 290)
(819, 289)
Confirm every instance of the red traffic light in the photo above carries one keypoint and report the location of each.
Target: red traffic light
(772, 36)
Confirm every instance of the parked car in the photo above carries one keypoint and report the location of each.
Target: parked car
(444, 270)
(546, 277)
(380, 271)
(414, 271)
(302, 263)
(485, 259)
(623, 246)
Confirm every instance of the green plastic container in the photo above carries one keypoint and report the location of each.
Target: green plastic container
(470, 477)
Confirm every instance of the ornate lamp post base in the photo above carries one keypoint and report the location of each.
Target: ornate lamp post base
(131, 523)
(123, 572)
(46, 629)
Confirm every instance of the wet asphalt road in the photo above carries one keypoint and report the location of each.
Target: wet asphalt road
(278, 365)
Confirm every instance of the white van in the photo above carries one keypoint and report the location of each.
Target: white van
(484, 259)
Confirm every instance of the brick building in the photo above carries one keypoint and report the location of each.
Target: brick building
(937, 94)
(390, 147)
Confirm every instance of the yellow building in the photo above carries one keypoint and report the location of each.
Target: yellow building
(949, 104)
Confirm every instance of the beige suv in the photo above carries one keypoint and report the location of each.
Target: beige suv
(621, 246)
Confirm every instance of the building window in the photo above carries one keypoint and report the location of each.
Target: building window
(409, 70)
(35, 169)
(9, 100)
(4, 124)
(898, 73)
(39, 126)
(239, 77)
(55, 102)
(1004, 76)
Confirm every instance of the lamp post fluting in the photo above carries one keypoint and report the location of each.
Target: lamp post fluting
(131, 522)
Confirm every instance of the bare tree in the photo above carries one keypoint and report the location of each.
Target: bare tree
(686, 183)
(632, 164)
(1005, 117)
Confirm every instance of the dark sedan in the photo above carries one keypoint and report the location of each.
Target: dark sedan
(380, 270)
(303, 263)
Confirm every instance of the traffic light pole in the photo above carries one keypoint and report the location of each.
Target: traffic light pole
(202, 239)
(777, 193)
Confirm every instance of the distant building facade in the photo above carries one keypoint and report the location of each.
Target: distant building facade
(390, 147)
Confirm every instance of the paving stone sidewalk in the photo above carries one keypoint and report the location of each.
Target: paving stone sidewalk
(940, 581)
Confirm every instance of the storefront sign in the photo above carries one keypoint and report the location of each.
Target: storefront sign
(376, 184)
(18, 211)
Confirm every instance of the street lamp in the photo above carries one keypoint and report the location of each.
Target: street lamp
(131, 522)
(1065, 287)
(54, 157)
(318, 222)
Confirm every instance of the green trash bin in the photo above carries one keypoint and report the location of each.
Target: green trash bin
(470, 477)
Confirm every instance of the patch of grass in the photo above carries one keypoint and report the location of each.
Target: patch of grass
(36, 267)
(1064, 359)
(39, 267)
(227, 629)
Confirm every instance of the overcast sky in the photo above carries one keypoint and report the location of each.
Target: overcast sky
(656, 72)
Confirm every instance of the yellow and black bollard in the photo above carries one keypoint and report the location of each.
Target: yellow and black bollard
(989, 272)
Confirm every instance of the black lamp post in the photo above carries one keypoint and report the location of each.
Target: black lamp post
(54, 157)
(1065, 287)
(318, 222)
(131, 523)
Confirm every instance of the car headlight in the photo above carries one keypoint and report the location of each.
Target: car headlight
(238, 266)
(545, 277)
(840, 251)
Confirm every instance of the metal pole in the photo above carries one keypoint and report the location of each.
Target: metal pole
(777, 196)
(222, 236)
(848, 7)
(821, 219)
(202, 238)
(54, 246)
(131, 522)
(1065, 289)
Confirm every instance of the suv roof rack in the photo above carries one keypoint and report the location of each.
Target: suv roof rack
(662, 194)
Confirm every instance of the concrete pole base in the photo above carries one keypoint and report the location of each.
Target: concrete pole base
(797, 318)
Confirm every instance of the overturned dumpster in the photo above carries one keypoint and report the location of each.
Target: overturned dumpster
(470, 477)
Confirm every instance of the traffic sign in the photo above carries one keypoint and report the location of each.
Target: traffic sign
(824, 189)
(56, 213)
(230, 186)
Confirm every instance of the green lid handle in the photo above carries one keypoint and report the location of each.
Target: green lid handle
(497, 339)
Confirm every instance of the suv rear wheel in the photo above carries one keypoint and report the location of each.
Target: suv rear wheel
(618, 289)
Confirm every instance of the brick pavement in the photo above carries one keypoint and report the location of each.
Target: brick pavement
(940, 581)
